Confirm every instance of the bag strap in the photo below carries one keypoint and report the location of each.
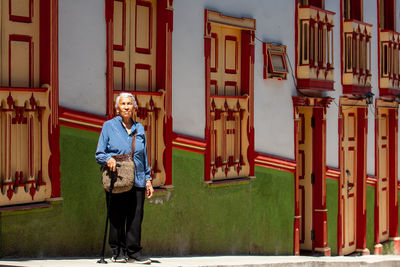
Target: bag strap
(133, 146)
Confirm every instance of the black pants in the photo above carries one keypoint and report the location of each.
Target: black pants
(126, 216)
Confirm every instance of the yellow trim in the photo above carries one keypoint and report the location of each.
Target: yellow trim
(275, 164)
(189, 146)
(81, 123)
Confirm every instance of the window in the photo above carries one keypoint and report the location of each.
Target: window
(140, 49)
(315, 3)
(229, 44)
(275, 65)
(28, 125)
(314, 53)
(353, 9)
(356, 39)
(389, 76)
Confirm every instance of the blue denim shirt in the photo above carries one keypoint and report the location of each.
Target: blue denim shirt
(115, 140)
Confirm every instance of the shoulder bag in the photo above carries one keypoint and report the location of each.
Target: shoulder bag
(123, 179)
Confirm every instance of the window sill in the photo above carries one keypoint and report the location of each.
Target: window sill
(229, 182)
(31, 207)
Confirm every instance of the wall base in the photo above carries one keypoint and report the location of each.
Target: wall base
(390, 247)
(326, 251)
(362, 251)
(378, 248)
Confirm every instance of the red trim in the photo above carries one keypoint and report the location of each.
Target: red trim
(318, 9)
(296, 221)
(215, 84)
(109, 14)
(231, 38)
(54, 135)
(20, 38)
(361, 218)
(214, 35)
(164, 76)
(80, 116)
(303, 213)
(144, 67)
(207, 71)
(230, 83)
(121, 47)
(318, 85)
(301, 158)
(356, 89)
(17, 18)
(144, 50)
(190, 144)
(319, 188)
(274, 162)
(120, 64)
(393, 172)
(302, 127)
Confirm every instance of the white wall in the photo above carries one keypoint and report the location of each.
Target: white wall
(371, 17)
(82, 55)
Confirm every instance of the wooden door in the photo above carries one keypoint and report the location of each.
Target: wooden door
(20, 43)
(349, 185)
(134, 45)
(225, 60)
(383, 173)
(305, 173)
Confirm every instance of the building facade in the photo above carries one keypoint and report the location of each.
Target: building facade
(272, 126)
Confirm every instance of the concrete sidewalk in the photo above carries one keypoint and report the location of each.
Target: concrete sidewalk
(220, 261)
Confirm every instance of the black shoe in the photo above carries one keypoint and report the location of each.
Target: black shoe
(140, 259)
(121, 259)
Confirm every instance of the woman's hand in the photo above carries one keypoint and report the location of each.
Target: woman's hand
(112, 164)
(149, 189)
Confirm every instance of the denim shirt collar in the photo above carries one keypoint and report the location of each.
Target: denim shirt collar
(133, 128)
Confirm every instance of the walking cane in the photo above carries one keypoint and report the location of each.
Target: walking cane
(102, 260)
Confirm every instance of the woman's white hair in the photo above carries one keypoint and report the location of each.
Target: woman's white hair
(126, 95)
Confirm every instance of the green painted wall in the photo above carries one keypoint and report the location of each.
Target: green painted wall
(370, 217)
(332, 206)
(252, 218)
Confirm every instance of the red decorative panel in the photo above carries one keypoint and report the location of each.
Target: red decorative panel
(302, 128)
(16, 41)
(21, 10)
(230, 88)
(214, 87)
(143, 77)
(120, 21)
(231, 62)
(143, 27)
(119, 67)
(302, 161)
(352, 127)
(303, 211)
(214, 52)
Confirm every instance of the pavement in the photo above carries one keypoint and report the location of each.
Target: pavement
(218, 261)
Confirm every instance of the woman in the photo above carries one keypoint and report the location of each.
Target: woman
(126, 209)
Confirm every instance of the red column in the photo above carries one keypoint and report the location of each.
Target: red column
(297, 217)
(340, 208)
(319, 188)
(361, 211)
(110, 58)
(247, 84)
(164, 76)
(393, 199)
(207, 130)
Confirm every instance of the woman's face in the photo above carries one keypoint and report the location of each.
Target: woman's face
(125, 107)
